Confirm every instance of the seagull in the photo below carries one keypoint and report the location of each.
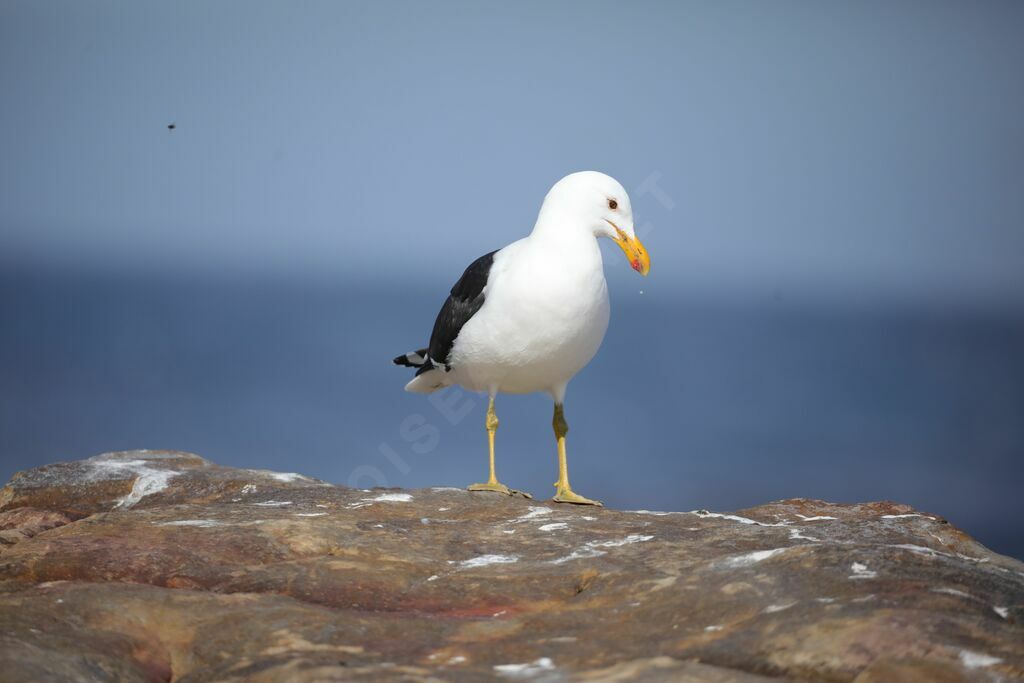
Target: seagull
(529, 316)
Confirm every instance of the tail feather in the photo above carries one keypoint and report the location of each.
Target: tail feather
(426, 382)
(429, 377)
(413, 359)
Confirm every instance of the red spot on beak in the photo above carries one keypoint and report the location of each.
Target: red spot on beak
(636, 264)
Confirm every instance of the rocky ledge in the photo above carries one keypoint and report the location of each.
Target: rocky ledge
(158, 566)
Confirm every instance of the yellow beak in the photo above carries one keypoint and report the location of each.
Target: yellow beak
(634, 250)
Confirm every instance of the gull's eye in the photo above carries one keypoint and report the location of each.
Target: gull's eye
(612, 204)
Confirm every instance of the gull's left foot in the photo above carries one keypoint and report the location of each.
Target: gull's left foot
(566, 495)
(497, 487)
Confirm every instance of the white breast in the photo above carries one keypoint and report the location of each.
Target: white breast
(544, 317)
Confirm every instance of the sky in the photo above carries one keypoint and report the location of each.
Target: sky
(866, 151)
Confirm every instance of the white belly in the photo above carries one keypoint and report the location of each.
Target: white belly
(542, 321)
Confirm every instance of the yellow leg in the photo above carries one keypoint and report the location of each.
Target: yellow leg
(564, 492)
(492, 483)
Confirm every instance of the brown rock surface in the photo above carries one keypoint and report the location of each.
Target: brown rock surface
(156, 566)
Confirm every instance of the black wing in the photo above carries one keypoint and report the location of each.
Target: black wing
(467, 296)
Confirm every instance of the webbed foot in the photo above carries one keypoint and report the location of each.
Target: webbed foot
(567, 495)
(498, 487)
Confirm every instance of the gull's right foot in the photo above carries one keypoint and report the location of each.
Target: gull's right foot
(567, 495)
(497, 487)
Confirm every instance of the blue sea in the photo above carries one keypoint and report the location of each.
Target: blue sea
(691, 402)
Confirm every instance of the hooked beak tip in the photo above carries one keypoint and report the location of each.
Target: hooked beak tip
(634, 250)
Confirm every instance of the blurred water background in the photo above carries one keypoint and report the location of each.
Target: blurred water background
(833, 198)
(688, 405)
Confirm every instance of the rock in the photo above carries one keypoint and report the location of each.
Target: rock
(25, 522)
(155, 565)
